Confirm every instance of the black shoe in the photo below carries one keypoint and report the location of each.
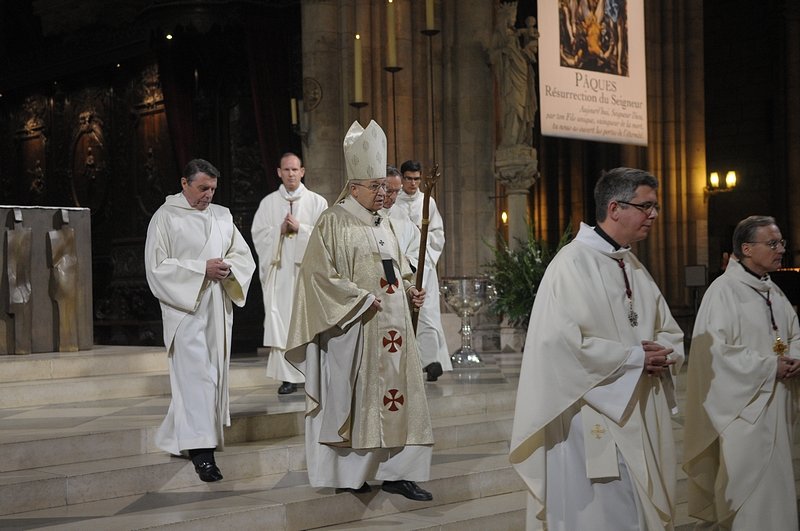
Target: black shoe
(434, 370)
(409, 489)
(363, 489)
(208, 471)
(287, 388)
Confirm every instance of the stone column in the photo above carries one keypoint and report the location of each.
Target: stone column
(328, 61)
(464, 117)
(516, 167)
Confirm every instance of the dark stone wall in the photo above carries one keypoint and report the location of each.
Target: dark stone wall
(746, 113)
(95, 134)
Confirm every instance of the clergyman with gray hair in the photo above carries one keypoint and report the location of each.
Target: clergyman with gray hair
(198, 266)
(592, 435)
(351, 336)
(742, 390)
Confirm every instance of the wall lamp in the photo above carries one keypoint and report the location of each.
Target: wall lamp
(715, 186)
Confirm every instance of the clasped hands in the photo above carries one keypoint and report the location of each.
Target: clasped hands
(290, 225)
(417, 297)
(787, 367)
(216, 269)
(657, 358)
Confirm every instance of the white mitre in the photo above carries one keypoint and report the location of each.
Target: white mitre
(364, 154)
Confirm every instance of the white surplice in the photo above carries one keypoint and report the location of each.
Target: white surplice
(279, 258)
(739, 417)
(197, 314)
(430, 334)
(592, 435)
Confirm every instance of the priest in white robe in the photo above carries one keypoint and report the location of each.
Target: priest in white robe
(406, 232)
(742, 391)
(198, 265)
(351, 335)
(592, 434)
(281, 227)
(430, 335)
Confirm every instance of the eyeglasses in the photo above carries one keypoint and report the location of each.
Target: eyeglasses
(374, 187)
(647, 207)
(773, 244)
(392, 191)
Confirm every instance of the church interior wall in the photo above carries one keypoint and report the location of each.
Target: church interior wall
(719, 93)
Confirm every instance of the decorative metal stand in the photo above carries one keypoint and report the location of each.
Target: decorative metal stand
(466, 296)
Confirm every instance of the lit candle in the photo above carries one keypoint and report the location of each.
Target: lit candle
(294, 111)
(357, 68)
(391, 43)
(429, 15)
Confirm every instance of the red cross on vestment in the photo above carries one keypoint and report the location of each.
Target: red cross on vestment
(394, 341)
(390, 288)
(392, 399)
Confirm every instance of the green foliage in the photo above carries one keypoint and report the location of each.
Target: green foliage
(517, 273)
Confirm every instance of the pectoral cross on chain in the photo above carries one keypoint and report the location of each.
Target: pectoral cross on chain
(633, 317)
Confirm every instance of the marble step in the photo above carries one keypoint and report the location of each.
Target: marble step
(501, 512)
(85, 431)
(82, 475)
(120, 384)
(101, 360)
(285, 501)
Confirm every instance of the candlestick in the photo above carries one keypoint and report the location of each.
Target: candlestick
(357, 69)
(391, 42)
(294, 111)
(429, 22)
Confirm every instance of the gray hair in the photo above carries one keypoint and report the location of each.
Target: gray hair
(391, 171)
(745, 231)
(196, 166)
(619, 184)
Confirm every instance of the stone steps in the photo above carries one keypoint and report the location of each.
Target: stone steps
(102, 360)
(501, 512)
(77, 440)
(468, 418)
(65, 379)
(285, 501)
(89, 467)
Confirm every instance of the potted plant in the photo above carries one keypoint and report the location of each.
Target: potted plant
(516, 273)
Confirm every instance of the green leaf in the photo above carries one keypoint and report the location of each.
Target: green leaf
(517, 272)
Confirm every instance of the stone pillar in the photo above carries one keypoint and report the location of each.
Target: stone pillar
(328, 61)
(464, 117)
(517, 168)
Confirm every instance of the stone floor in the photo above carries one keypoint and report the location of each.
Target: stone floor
(76, 434)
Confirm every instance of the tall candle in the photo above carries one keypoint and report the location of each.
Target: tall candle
(357, 68)
(294, 111)
(391, 43)
(429, 15)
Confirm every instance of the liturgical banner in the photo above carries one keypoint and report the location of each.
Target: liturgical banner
(592, 75)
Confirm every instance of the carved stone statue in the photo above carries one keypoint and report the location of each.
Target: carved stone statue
(513, 67)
